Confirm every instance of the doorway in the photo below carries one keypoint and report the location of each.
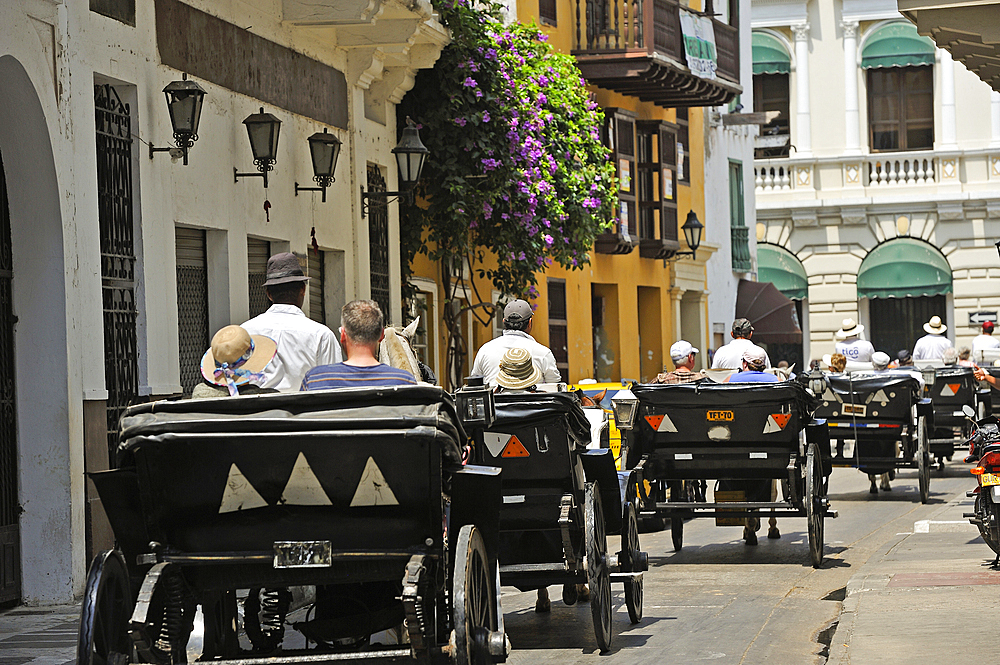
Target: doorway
(897, 323)
(10, 532)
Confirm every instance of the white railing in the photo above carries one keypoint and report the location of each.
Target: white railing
(771, 178)
(900, 169)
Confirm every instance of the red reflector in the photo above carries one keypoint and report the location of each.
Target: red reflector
(990, 460)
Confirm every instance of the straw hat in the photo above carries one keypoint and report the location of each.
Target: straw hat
(850, 328)
(236, 357)
(934, 326)
(517, 371)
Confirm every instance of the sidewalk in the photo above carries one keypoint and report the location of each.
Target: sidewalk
(926, 597)
(39, 635)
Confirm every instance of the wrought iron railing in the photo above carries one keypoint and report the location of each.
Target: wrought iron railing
(740, 236)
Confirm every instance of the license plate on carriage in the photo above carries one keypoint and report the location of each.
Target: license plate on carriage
(303, 554)
(989, 480)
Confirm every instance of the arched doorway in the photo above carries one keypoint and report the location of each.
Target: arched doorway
(10, 531)
(779, 266)
(906, 282)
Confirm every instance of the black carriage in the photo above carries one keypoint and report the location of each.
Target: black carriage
(949, 389)
(739, 432)
(560, 502)
(359, 492)
(886, 417)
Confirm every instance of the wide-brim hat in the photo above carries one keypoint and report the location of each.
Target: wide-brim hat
(935, 327)
(284, 268)
(234, 345)
(850, 328)
(517, 371)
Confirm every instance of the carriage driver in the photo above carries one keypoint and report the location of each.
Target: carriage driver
(517, 326)
(302, 342)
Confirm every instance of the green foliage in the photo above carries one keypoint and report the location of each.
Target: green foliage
(517, 168)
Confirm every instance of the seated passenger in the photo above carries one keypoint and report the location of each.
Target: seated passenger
(361, 330)
(518, 373)
(753, 365)
(234, 364)
(682, 354)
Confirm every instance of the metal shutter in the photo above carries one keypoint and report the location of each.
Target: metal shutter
(192, 304)
(258, 252)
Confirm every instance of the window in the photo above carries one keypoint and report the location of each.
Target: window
(316, 270)
(738, 231)
(421, 304)
(683, 148)
(258, 252)
(547, 12)
(119, 10)
(656, 185)
(901, 108)
(622, 132)
(770, 93)
(558, 337)
(192, 304)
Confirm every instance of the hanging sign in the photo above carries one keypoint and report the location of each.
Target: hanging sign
(699, 44)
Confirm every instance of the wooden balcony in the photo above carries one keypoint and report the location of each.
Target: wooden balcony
(635, 47)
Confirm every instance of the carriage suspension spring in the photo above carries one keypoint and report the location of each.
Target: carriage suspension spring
(274, 605)
(173, 615)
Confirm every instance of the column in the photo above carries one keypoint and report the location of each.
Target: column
(852, 135)
(948, 139)
(802, 139)
(994, 118)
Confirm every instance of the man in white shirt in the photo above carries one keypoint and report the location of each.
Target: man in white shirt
(302, 342)
(517, 318)
(731, 355)
(851, 345)
(985, 340)
(932, 345)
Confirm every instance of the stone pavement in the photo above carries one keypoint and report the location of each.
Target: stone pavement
(927, 596)
(39, 635)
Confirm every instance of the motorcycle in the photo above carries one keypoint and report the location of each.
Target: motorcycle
(984, 450)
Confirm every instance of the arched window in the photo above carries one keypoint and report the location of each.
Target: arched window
(771, 67)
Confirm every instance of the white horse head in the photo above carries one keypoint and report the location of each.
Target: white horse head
(396, 349)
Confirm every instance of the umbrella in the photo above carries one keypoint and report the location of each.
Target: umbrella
(772, 315)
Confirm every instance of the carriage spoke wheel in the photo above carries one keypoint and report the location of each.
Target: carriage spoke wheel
(814, 504)
(630, 555)
(105, 613)
(473, 607)
(678, 492)
(923, 461)
(598, 574)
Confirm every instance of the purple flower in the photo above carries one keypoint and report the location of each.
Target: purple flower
(469, 82)
(460, 122)
(486, 118)
(487, 209)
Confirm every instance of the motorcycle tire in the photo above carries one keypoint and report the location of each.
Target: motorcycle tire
(984, 530)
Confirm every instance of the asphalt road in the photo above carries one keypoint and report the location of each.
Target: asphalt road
(719, 600)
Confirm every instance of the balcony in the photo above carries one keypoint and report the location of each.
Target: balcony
(636, 48)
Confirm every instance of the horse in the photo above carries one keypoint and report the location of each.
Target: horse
(396, 349)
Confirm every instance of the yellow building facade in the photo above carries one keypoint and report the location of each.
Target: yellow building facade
(616, 318)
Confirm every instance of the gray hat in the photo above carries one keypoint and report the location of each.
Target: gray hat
(283, 268)
(517, 311)
(742, 327)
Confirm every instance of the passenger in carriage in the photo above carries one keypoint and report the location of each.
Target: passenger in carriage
(518, 374)
(682, 354)
(361, 330)
(753, 364)
(234, 364)
(731, 355)
(932, 345)
(301, 342)
(517, 321)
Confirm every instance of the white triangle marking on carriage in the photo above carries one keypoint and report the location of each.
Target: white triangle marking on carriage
(239, 494)
(495, 442)
(666, 425)
(830, 396)
(303, 488)
(373, 490)
(772, 425)
(947, 391)
(880, 396)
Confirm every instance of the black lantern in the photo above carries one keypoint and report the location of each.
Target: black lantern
(998, 246)
(184, 102)
(263, 129)
(692, 234)
(324, 148)
(411, 154)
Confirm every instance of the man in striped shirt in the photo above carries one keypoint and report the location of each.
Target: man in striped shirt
(361, 330)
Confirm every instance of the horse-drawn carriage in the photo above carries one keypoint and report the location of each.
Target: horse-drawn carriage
(744, 432)
(359, 492)
(560, 501)
(886, 417)
(949, 389)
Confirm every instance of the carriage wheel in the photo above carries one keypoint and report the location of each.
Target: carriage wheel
(678, 492)
(473, 607)
(105, 613)
(923, 461)
(814, 504)
(598, 574)
(630, 552)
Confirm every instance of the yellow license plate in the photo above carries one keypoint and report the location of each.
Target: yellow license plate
(989, 480)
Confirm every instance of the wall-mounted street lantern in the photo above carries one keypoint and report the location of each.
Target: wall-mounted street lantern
(692, 229)
(263, 130)
(184, 101)
(411, 154)
(324, 148)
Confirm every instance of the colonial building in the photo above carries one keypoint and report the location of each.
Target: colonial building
(878, 184)
(643, 289)
(117, 262)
